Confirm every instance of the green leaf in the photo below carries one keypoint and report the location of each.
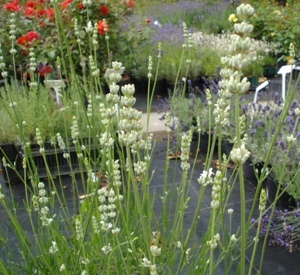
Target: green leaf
(51, 54)
(82, 34)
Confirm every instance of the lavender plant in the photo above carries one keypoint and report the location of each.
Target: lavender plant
(284, 229)
(261, 124)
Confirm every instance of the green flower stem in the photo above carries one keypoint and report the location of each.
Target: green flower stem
(165, 189)
(137, 201)
(108, 50)
(211, 142)
(118, 246)
(191, 231)
(178, 226)
(14, 61)
(242, 189)
(255, 243)
(150, 94)
(3, 269)
(179, 67)
(194, 162)
(212, 234)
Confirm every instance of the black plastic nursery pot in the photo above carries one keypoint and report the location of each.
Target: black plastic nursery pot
(54, 163)
(226, 146)
(295, 73)
(205, 142)
(160, 88)
(10, 154)
(269, 71)
(252, 171)
(285, 201)
(253, 82)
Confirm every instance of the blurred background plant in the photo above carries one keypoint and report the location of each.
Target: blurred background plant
(284, 228)
(32, 24)
(29, 109)
(262, 120)
(278, 24)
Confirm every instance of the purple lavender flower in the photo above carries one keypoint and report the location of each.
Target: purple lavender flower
(259, 123)
(282, 145)
(283, 227)
(294, 104)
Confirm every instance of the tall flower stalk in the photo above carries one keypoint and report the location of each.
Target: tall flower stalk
(234, 84)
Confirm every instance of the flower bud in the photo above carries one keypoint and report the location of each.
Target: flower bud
(262, 200)
(244, 11)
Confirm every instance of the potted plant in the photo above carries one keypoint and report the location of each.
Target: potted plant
(23, 110)
(283, 163)
(192, 111)
(269, 63)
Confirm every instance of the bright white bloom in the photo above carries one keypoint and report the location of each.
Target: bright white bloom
(291, 139)
(53, 249)
(244, 11)
(115, 231)
(230, 211)
(60, 141)
(239, 155)
(62, 268)
(153, 270)
(106, 249)
(233, 238)
(217, 237)
(255, 239)
(156, 251)
(146, 262)
(185, 150)
(243, 27)
(206, 177)
(89, 27)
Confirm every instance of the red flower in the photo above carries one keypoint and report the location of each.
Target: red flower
(80, 6)
(64, 4)
(102, 27)
(24, 52)
(30, 4)
(49, 13)
(44, 70)
(130, 3)
(40, 13)
(12, 6)
(29, 12)
(30, 36)
(22, 41)
(104, 10)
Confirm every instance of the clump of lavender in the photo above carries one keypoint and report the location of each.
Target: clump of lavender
(284, 228)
